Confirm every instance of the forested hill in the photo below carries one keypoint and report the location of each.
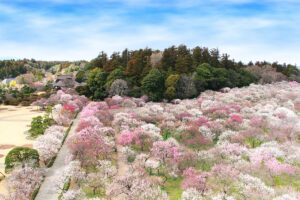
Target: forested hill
(176, 72)
(13, 68)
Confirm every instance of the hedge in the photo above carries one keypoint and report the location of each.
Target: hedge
(65, 188)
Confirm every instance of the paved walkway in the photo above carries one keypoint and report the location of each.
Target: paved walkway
(49, 190)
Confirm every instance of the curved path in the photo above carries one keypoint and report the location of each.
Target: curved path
(49, 190)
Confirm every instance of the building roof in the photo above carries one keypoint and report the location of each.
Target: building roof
(60, 77)
(7, 80)
(64, 81)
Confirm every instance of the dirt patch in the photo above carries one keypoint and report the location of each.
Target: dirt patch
(6, 146)
(1, 155)
(27, 145)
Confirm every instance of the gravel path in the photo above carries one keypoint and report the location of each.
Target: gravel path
(48, 190)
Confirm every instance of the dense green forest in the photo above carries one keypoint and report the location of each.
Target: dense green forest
(13, 68)
(10, 68)
(176, 72)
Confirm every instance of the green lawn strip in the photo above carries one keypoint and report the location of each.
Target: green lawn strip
(36, 191)
(287, 180)
(173, 188)
(65, 188)
(100, 192)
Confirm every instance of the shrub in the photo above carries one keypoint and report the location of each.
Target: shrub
(39, 125)
(21, 156)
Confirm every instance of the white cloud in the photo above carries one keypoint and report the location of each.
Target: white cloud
(69, 36)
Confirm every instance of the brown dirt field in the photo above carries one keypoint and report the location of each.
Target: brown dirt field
(14, 124)
(7, 146)
(27, 145)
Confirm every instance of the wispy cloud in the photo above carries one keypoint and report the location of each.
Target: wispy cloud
(79, 29)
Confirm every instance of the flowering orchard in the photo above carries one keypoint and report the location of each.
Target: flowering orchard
(236, 144)
(240, 143)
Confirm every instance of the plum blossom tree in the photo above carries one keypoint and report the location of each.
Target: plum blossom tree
(164, 150)
(23, 181)
(71, 194)
(90, 121)
(191, 193)
(142, 189)
(234, 121)
(87, 145)
(105, 117)
(193, 138)
(290, 196)
(271, 164)
(68, 109)
(152, 164)
(128, 138)
(99, 179)
(137, 188)
(196, 180)
(89, 110)
(48, 144)
(254, 188)
(225, 175)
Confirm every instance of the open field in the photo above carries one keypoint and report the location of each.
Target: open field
(14, 123)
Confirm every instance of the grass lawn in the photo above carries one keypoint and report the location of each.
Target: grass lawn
(287, 180)
(173, 188)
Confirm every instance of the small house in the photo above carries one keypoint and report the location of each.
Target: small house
(64, 81)
(7, 81)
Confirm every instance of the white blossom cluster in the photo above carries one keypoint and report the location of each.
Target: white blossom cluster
(48, 144)
(254, 187)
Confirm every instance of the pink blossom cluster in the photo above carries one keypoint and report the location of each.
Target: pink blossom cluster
(195, 179)
(271, 163)
(165, 150)
(92, 140)
(63, 98)
(128, 138)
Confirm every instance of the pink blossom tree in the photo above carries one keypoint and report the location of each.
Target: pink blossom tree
(136, 187)
(234, 121)
(23, 181)
(196, 180)
(87, 146)
(165, 150)
(90, 121)
(128, 138)
(271, 164)
(225, 176)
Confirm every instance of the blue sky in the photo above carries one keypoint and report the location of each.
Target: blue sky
(80, 29)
